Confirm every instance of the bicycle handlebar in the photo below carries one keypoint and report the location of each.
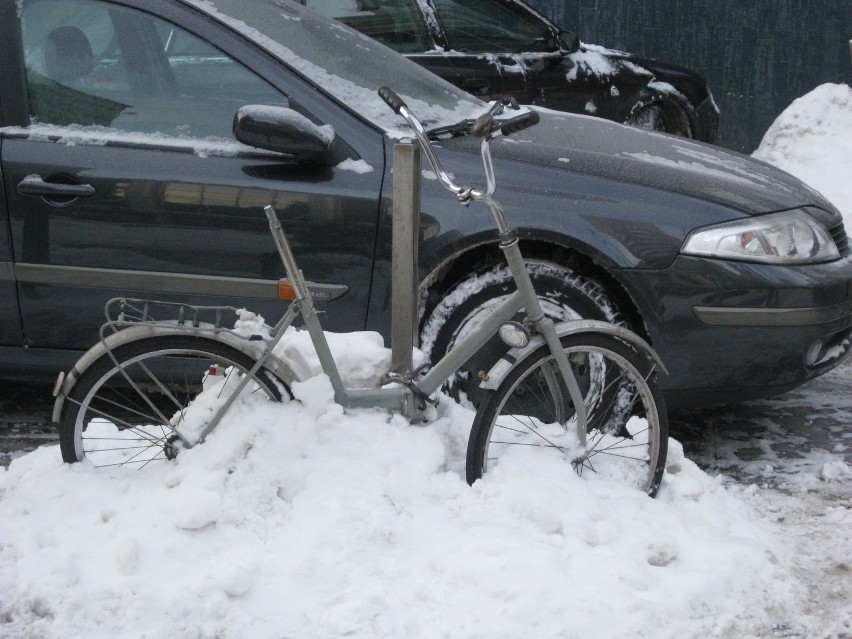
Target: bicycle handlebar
(486, 124)
(519, 122)
(483, 127)
(391, 99)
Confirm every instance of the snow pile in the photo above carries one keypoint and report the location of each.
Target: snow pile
(835, 470)
(812, 139)
(300, 520)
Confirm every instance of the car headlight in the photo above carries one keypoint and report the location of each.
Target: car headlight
(789, 237)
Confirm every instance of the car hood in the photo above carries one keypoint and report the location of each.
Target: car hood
(601, 148)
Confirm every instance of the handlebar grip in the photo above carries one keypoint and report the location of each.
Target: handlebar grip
(519, 123)
(391, 99)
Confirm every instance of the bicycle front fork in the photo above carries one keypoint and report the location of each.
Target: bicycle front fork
(546, 328)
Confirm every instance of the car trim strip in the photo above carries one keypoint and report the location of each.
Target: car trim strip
(163, 282)
(727, 316)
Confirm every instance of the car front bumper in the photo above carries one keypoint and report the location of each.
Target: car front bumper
(752, 331)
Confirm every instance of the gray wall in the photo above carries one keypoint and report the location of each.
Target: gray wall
(757, 55)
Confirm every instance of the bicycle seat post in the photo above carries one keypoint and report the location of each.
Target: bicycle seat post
(286, 253)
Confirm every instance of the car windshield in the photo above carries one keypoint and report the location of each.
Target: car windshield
(397, 24)
(344, 63)
(485, 26)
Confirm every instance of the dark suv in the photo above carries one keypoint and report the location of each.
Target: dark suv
(503, 47)
(120, 177)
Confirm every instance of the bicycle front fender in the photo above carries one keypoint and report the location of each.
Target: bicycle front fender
(288, 372)
(515, 356)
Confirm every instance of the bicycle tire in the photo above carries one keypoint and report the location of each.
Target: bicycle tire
(627, 434)
(113, 422)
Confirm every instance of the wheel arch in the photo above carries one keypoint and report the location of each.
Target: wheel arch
(676, 107)
(452, 268)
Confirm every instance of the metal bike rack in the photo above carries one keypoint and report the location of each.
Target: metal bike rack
(406, 236)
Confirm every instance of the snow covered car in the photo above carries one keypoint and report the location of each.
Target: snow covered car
(121, 177)
(503, 47)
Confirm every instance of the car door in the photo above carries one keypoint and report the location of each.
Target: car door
(123, 178)
(10, 324)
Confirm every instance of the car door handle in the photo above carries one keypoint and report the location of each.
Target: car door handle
(35, 185)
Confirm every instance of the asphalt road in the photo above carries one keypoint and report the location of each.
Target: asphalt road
(25, 411)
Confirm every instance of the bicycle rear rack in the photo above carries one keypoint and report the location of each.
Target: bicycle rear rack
(122, 312)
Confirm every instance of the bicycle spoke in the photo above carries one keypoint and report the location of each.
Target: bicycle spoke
(127, 407)
(532, 402)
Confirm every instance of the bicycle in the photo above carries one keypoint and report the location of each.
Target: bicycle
(584, 390)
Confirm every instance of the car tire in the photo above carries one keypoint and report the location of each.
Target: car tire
(665, 118)
(564, 293)
(139, 394)
(649, 117)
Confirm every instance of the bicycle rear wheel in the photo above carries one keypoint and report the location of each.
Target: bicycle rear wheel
(127, 408)
(531, 413)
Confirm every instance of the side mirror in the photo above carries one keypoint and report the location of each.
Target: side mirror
(282, 130)
(569, 42)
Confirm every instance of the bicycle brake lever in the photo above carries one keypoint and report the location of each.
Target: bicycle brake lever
(500, 105)
(484, 125)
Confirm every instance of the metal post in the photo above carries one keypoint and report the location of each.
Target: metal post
(406, 235)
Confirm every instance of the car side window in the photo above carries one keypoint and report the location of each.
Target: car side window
(484, 26)
(397, 24)
(94, 63)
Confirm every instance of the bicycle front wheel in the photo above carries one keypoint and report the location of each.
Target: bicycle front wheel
(531, 413)
(131, 407)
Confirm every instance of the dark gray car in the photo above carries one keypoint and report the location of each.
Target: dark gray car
(120, 176)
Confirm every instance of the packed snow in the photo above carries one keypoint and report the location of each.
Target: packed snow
(303, 520)
(812, 139)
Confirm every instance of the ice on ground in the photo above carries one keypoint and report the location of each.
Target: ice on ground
(835, 470)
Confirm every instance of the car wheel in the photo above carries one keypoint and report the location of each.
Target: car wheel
(663, 118)
(564, 293)
(649, 117)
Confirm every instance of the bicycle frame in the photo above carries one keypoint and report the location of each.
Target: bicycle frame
(168, 352)
(403, 394)
(401, 398)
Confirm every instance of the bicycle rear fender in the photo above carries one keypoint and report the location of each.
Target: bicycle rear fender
(287, 372)
(515, 356)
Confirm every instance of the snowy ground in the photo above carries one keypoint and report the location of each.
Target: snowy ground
(298, 520)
